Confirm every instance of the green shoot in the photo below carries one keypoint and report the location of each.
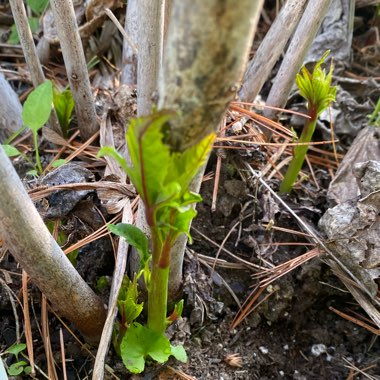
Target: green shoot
(36, 112)
(374, 118)
(162, 178)
(316, 88)
(64, 106)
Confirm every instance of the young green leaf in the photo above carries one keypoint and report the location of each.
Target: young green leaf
(16, 368)
(179, 353)
(127, 302)
(11, 151)
(37, 107)
(133, 236)
(64, 106)
(149, 155)
(140, 342)
(37, 6)
(14, 39)
(16, 349)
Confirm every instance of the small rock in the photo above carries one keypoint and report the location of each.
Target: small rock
(263, 350)
(318, 349)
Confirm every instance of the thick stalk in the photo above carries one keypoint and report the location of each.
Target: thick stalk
(30, 242)
(205, 56)
(149, 53)
(158, 288)
(204, 60)
(299, 156)
(75, 63)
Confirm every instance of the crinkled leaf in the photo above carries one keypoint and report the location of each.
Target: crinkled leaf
(128, 306)
(130, 310)
(185, 165)
(11, 151)
(316, 87)
(140, 342)
(149, 155)
(37, 107)
(183, 220)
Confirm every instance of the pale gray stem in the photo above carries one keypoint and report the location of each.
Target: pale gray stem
(205, 57)
(129, 73)
(28, 239)
(10, 110)
(270, 49)
(150, 52)
(30, 53)
(204, 61)
(301, 42)
(75, 63)
(150, 40)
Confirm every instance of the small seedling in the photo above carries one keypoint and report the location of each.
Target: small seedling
(162, 178)
(21, 366)
(36, 112)
(316, 88)
(64, 106)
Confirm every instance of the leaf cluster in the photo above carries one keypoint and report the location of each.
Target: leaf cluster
(135, 342)
(316, 87)
(162, 176)
(20, 366)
